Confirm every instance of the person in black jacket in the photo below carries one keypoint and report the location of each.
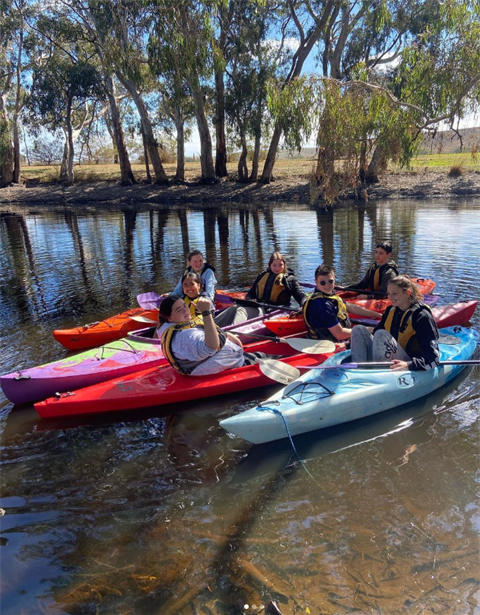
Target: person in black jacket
(379, 273)
(275, 286)
(407, 334)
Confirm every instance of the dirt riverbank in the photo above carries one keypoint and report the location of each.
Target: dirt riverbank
(401, 185)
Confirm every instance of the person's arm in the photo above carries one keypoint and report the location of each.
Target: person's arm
(353, 308)
(296, 290)
(252, 293)
(340, 333)
(233, 338)
(322, 315)
(211, 334)
(364, 282)
(427, 335)
(209, 281)
(178, 290)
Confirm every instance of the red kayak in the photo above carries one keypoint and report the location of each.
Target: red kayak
(225, 298)
(163, 385)
(445, 316)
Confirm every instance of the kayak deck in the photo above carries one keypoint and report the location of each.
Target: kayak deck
(323, 398)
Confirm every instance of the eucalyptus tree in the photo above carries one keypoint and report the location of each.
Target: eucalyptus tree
(253, 61)
(436, 48)
(89, 15)
(123, 26)
(13, 65)
(64, 88)
(184, 30)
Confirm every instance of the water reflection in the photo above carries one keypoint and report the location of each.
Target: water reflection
(161, 511)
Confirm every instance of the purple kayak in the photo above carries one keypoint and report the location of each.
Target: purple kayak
(138, 351)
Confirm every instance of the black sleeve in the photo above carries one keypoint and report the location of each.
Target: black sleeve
(252, 293)
(364, 282)
(294, 288)
(427, 336)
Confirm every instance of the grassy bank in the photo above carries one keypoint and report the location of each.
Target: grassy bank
(285, 169)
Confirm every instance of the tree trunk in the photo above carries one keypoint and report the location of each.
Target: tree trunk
(180, 126)
(146, 159)
(221, 153)
(66, 170)
(242, 161)
(152, 145)
(256, 158)
(6, 147)
(378, 163)
(16, 114)
(271, 156)
(206, 156)
(126, 174)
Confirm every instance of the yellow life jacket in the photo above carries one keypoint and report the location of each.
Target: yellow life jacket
(167, 339)
(341, 313)
(401, 327)
(375, 274)
(270, 290)
(191, 303)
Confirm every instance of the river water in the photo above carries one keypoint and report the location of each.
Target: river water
(160, 511)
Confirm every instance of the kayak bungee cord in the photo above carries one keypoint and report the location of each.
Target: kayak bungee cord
(277, 411)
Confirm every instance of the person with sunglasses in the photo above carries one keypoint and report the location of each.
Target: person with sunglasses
(325, 313)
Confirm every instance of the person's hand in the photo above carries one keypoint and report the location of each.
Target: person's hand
(203, 305)
(398, 365)
(234, 339)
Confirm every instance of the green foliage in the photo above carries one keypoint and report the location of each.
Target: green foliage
(293, 108)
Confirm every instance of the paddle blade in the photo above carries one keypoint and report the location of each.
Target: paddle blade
(149, 301)
(278, 371)
(310, 346)
(144, 319)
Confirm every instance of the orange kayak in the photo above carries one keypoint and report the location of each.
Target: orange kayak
(104, 331)
(445, 316)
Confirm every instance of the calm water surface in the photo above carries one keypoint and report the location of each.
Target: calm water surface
(160, 511)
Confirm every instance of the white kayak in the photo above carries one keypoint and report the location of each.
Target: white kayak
(322, 397)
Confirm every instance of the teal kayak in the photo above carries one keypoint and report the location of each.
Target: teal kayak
(326, 397)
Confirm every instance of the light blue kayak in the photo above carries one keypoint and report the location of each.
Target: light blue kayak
(325, 397)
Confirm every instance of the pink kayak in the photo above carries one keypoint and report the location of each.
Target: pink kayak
(138, 351)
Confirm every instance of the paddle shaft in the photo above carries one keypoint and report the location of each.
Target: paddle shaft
(251, 303)
(385, 364)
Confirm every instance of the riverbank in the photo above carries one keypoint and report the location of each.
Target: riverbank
(393, 185)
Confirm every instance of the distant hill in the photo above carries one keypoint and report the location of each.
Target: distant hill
(448, 141)
(444, 142)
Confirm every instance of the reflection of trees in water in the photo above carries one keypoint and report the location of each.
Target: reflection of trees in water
(325, 236)
(271, 232)
(25, 289)
(158, 223)
(87, 292)
(182, 216)
(224, 239)
(126, 277)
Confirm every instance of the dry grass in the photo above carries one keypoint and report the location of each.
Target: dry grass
(285, 169)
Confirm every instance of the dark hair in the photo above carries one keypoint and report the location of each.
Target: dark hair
(278, 256)
(193, 275)
(193, 253)
(406, 283)
(165, 309)
(385, 245)
(324, 270)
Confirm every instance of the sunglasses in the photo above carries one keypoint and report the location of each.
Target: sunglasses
(324, 283)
